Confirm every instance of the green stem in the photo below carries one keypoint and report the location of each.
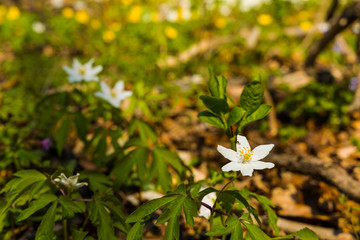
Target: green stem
(65, 229)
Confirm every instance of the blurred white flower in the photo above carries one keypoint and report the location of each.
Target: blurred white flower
(71, 182)
(38, 27)
(57, 3)
(246, 5)
(115, 95)
(244, 159)
(323, 27)
(209, 199)
(78, 5)
(80, 72)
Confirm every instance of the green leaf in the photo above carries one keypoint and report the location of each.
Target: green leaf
(216, 105)
(272, 218)
(170, 157)
(78, 235)
(147, 208)
(135, 232)
(211, 119)
(36, 205)
(190, 210)
(163, 175)
(62, 134)
(81, 125)
(255, 232)
(217, 85)
(260, 113)
(216, 230)
(97, 181)
(237, 233)
(306, 234)
(46, 228)
(69, 208)
(102, 220)
(172, 210)
(252, 96)
(172, 229)
(235, 115)
(27, 181)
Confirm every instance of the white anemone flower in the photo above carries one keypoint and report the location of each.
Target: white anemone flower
(80, 72)
(71, 182)
(115, 95)
(209, 199)
(244, 159)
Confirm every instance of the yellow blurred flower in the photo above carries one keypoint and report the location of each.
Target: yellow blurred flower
(82, 16)
(126, 2)
(171, 32)
(264, 19)
(155, 17)
(95, 24)
(220, 22)
(115, 26)
(135, 14)
(304, 15)
(108, 36)
(13, 13)
(306, 25)
(67, 12)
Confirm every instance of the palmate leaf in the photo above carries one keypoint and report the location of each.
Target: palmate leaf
(172, 229)
(46, 228)
(230, 224)
(36, 205)
(173, 209)
(255, 232)
(24, 182)
(78, 235)
(160, 168)
(147, 208)
(69, 208)
(102, 220)
(190, 210)
(135, 232)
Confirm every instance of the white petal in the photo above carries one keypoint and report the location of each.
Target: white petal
(261, 151)
(259, 165)
(243, 142)
(232, 166)
(105, 89)
(76, 64)
(95, 70)
(89, 63)
(246, 170)
(119, 86)
(228, 153)
(204, 212)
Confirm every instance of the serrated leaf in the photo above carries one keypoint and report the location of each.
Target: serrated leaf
(81, 125)
(78, 234)
(211, 119)
(272, 218)
(147, 208)
(36, 205)
(252, 96)
(216, 105)
(255, 232)
(235, 115)
(190, 210)
(260, 113)
(62, 134)
(172, 210)
(102, 220)
(135, 232)
(163, 175)
(172, 229)
(306, 234)
(46, 228)
(237, 233)
(70, 208)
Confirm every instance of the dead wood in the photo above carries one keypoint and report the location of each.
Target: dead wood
(329, 172)
(289, 226)
(348, 16)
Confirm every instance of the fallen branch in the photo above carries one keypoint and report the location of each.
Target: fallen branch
(329, 172)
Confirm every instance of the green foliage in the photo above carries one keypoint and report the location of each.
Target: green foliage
(219, 113)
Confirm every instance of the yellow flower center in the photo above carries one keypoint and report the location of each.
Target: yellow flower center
(245, 153)
(82, 70)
